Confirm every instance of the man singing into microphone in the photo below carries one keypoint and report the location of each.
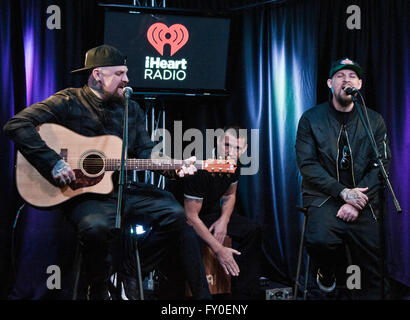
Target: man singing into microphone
(341, 184)
(93, 110)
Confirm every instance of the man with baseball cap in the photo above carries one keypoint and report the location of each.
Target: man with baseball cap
(93, 110)
(340, 185)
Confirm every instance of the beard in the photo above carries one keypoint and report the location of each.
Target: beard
(343, 100)
(113, 98)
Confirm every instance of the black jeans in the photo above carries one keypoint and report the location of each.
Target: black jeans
(246, 238)
(326, 237)
(155, 209)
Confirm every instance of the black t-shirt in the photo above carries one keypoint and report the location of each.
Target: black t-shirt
(345, 159)
(209, 187)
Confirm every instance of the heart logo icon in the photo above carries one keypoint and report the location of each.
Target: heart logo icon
(159, 35)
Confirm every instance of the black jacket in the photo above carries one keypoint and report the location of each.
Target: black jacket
(317, 153)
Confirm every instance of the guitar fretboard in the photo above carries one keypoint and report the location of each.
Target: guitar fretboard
(149, 164)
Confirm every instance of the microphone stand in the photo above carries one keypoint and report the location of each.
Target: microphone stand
(121, 181)
(378, 156)
(385, 182)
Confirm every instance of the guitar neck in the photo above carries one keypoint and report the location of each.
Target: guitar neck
(149, 164)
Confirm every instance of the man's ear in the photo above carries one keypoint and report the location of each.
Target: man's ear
(244, 149)
(360, 84)
(220, 146)
(330, 84)
(97, 74)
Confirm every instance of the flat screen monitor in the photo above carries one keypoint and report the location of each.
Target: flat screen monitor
(171, 52)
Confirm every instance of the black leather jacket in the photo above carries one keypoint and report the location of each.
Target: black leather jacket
(317, 153)
(79, 110)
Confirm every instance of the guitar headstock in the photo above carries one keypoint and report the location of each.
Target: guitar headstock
(220, 166)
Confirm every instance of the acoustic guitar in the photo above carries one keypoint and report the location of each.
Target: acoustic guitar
(93, 160)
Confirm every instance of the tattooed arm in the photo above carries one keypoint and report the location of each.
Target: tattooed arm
(223, 254)
(219, 227)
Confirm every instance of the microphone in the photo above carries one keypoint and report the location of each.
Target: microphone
(351, 91)
(127, 92)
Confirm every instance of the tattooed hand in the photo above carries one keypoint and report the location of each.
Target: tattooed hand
(348, 213)
(62, 173)
(355, 197)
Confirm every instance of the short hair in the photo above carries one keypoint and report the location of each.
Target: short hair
(236, 129)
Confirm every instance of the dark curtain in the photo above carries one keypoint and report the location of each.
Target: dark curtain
(8, 194)
(35, 63)
(279, 59)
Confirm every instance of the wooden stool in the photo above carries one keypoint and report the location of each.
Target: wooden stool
(218, 281)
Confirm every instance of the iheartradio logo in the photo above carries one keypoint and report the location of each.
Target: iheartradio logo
(159, 35)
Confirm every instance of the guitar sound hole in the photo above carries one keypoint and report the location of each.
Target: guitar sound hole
(93, 164)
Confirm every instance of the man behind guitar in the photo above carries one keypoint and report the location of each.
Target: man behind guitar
(93, 110)
(209, 202)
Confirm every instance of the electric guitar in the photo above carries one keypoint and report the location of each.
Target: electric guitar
(93, 160)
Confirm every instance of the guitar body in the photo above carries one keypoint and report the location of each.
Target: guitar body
(86, 155)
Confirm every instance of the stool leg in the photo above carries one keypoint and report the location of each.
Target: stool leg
(306, 276)
(77, 270)
(295, 294)
(139, 273)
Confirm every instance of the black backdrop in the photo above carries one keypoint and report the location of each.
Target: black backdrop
(279, 59)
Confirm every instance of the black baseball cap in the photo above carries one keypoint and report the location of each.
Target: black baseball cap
(102, 56)
(345, 63)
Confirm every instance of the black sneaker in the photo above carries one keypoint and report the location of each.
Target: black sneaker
(130, 287)
(326, 282)
(98, 291)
